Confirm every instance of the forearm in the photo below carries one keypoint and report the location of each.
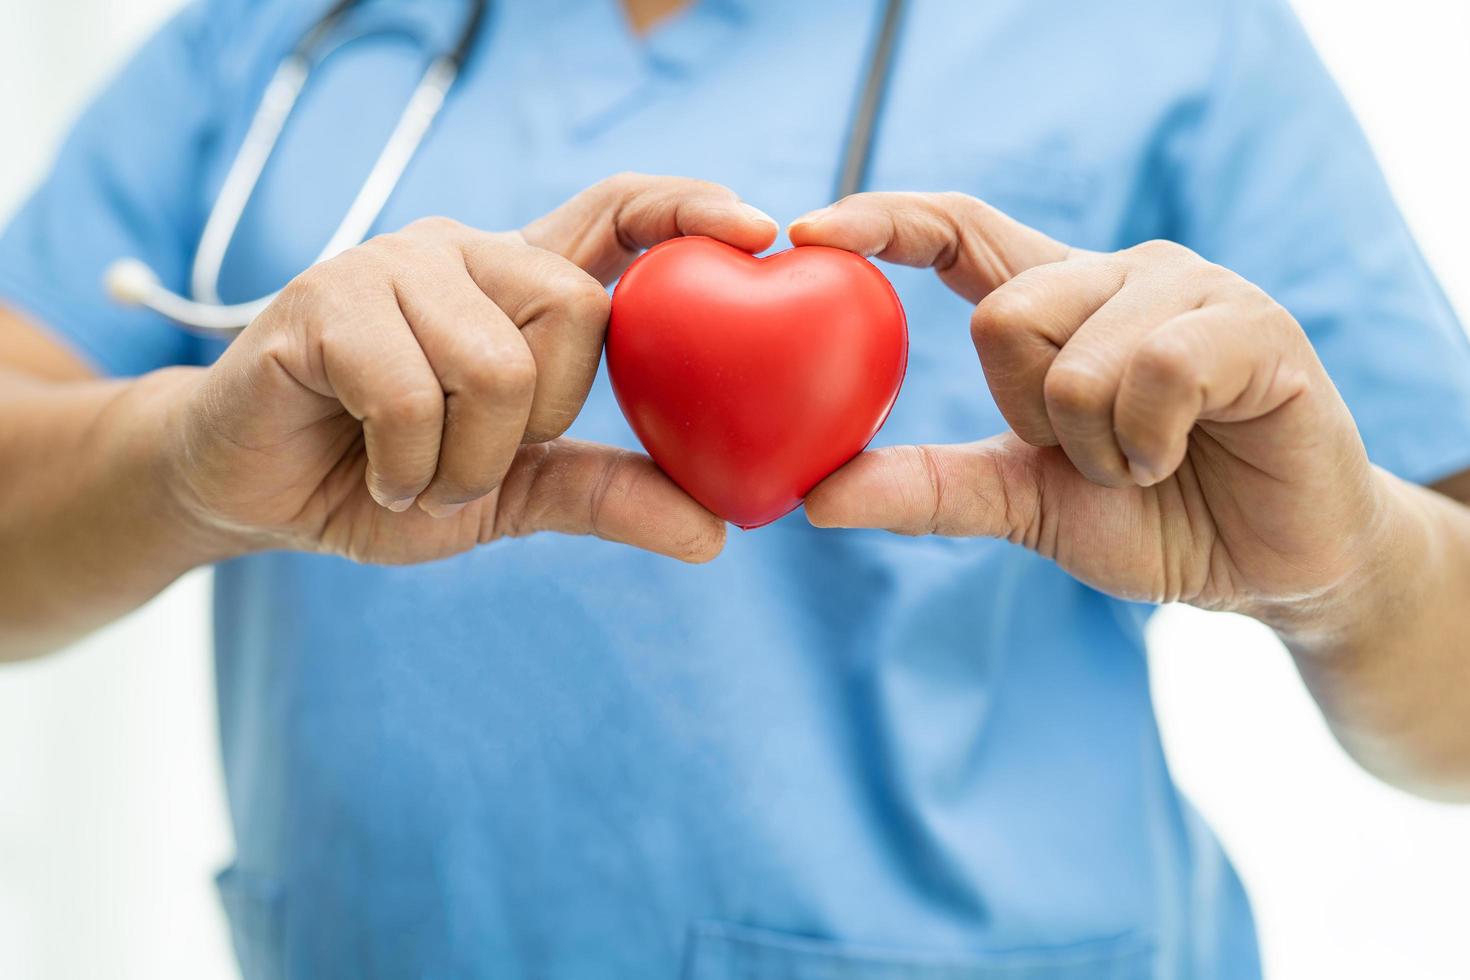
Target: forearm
(89, 525)
(1388, 657)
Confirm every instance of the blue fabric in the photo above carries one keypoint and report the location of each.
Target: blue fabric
(827, 754)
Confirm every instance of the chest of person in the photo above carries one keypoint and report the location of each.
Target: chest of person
(761, 102)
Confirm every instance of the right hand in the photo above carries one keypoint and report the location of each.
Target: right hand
(403, 401)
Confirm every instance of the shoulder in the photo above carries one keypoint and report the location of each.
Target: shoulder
(1158, 44)
(1153, 40)
(1134, 60)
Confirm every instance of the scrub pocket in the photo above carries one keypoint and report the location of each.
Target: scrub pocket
(723, 951)
(255, 906)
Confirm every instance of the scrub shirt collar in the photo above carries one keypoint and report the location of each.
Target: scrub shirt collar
(617, 69)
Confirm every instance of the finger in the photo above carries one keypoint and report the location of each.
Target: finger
(488, 376)
(1081, 387)
(1020, 328)
(1220, 362)
(604, 228)
(373, 365)
(562, 314)
(972, 246)
(576, 487)
(987, 488)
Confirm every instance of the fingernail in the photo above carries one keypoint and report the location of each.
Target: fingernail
(440, 511)
(1142, 475)
(398, 506)
(756, 213)
(812, 216)
(817, 520)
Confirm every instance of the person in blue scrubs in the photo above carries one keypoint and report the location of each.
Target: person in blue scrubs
(823, 753)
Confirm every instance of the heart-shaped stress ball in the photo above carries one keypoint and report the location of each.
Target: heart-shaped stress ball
(750, 379)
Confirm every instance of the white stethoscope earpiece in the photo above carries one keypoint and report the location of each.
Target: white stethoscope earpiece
(132, 281)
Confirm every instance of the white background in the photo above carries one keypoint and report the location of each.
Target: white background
(112, 820)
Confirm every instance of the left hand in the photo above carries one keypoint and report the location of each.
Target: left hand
(1175, 437)
(404, 401)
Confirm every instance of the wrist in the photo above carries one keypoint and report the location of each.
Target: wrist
(155, 413)
(1382, 589)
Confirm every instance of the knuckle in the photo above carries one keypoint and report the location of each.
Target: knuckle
(308, 289)
(410, 407)
(434, 226)
(1272, 311)
(563, 293)
(1221, 278)
(959, 210)
(393, 252)
(707, 188)
(502, 371)
(485, 252)
(356, 265)
(928, 461)
(583, 298)
(390, 244)
(276, 346)
(1073, 392)
(616, 479)
(1165, 362)
(622, 183)
(478, 372)
(987, 329)
(1161, 250)
(956, 202)
(509, 372)
(326, 293)
(375, 266)
(1009, 309)
(503, 239)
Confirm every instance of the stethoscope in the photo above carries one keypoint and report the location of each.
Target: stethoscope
(202, 312)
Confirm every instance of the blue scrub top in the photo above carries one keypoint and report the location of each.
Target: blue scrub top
(828, 753)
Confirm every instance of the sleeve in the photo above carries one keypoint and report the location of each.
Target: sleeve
(125, 184)
(1278, 183)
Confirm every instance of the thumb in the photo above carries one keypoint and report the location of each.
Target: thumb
(575, 487)
(604, 228)
(974, 247)
(990, 488)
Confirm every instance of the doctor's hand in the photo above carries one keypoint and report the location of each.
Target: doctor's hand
(1175, 437)
(403, 401)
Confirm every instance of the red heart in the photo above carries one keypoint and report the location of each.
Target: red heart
(749, 380)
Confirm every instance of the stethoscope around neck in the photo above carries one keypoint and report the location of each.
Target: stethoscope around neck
(202, 312)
